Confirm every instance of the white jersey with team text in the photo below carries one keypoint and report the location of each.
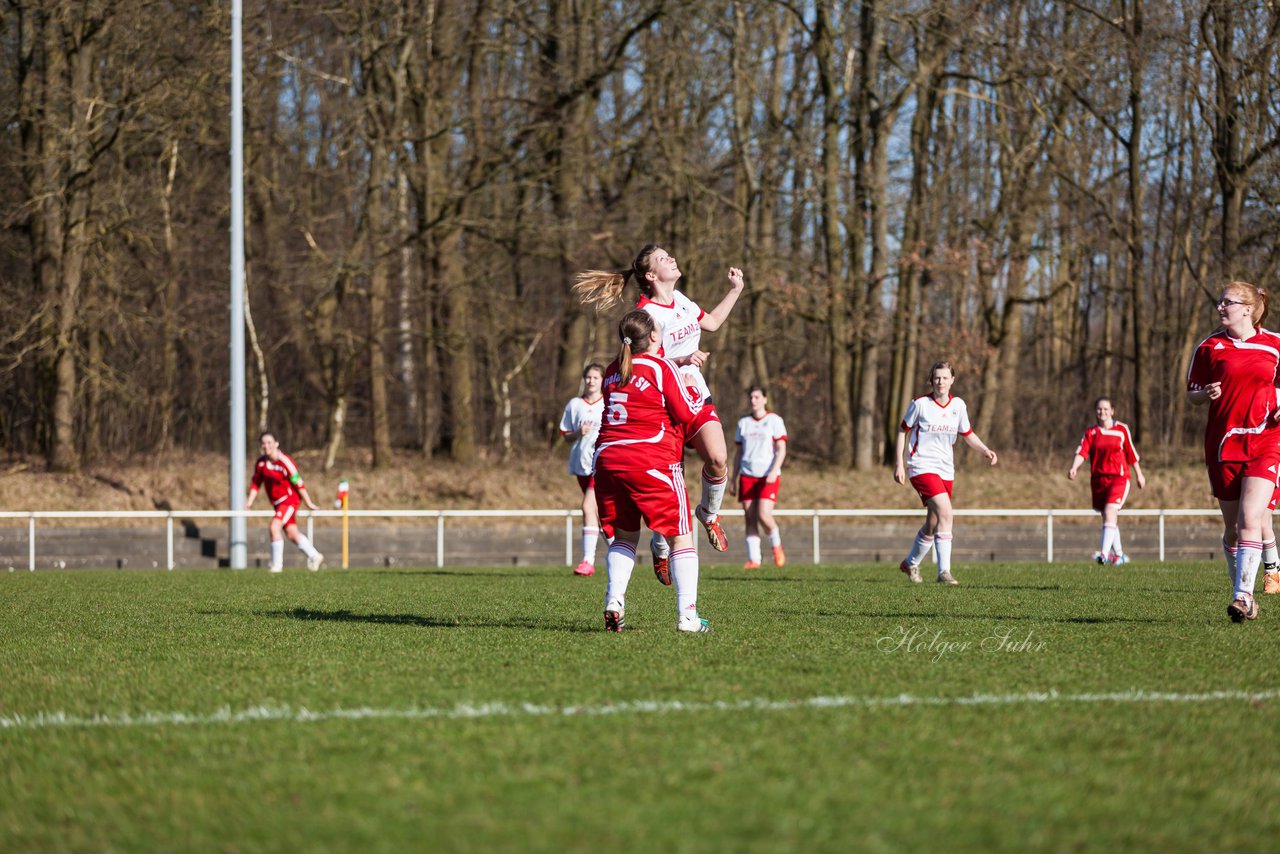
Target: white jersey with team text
(578, 412)
(757, 435)
(932, 429)
(681, 324)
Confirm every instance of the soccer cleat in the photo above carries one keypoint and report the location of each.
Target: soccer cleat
(314, 563)
(1243, 608)
(715, 533)
(751, 564)
(912, 571)
(662, 569)
(276, 569)
(779, 557)
(1099, 558)
(1119, 560)
(585, 568)
(945, 578)
(613, 621)
(1271, 582)
(697, 625)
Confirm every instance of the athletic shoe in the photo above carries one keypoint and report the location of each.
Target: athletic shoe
(613, 621)
(276, 569)
(697, 625)
(662, 569)
(912, 571)
(751, 564)
(1271, 583)
(1119, 560)
(585, 568)
(1099, 558)
(715, 533)
(779, 557)
(314, 563)
(1243, 608)
(945, 578)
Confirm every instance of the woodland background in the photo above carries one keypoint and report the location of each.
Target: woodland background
(1050, 194)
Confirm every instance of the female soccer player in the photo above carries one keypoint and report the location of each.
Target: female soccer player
(639, 468)
(933, 422)
(680, 322)
(277, 472)
(580, 424)
(1110, 449)
(757, 463)
(1236, 370)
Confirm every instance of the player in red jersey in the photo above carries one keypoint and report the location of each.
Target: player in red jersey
(276, 471)
(1236, 371)
(681, 323)
(639, 468)
(930, 428)
(1110, 450)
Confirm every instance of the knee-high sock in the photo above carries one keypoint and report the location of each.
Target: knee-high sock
(277, 553)
(775, 536)
(1110, 534)
(305, 544)
(920, 548)
(589, 538)
(619, 560)
(1233, 572)
(1269, 553)
(942, 545)
(684, 576)
(712, 494)
(1248, 556)
(753, 549)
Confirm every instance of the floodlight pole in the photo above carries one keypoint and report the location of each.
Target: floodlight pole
(238, 550)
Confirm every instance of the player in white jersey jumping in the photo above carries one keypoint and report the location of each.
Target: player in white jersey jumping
(682, 322)
(762, 446)
(580, 425)
(929, 431)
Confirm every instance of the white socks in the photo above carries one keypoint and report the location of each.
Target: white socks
(1229, 552)
(775, 536)
(305, 544)
(277, 554)
(920, 548)
(1248, 556)
(1110, 540)
(659, 546)
(712, 495)
(684, 575)
(620, 560)
(589, 538)
(753, 549)
(1269, 553)
(942, 544)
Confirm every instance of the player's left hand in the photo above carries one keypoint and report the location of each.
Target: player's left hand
(735, 278)
(991, 455)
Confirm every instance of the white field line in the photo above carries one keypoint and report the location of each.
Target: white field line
(256, 714)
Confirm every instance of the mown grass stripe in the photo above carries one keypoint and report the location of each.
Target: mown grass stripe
(255, 714)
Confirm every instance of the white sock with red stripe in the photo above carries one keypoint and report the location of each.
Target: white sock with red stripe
(684, 575)
(1269, 553)
(753, 549)
(1248, 556)
(277, 554)
(712, 495)
(1229, 552)
(942, 544)
(920, 548)
(1109, 535)
(590, 536)
(620, 560)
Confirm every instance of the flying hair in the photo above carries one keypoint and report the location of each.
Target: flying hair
(603, 288)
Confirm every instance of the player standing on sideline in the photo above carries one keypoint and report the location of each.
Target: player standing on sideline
(757, 465)
(276, 470)
(933, 422)
(1111, 450)
(639, 468)
(681, 323)
(1236, 370)
(580, 425)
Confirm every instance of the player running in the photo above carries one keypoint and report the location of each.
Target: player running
(276, 471)
(1110, 450)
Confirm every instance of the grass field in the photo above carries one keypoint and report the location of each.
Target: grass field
(834, 708)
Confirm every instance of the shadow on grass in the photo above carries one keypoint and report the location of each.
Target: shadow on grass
(417, 620)
(937, 615)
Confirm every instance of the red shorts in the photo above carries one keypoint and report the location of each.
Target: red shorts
(1274, 497)
(757, 489)
(1227, 478)
(657, 495)
(1108, 489)
(585, 482)
(287, 511)
(705, 416)
(929, 485)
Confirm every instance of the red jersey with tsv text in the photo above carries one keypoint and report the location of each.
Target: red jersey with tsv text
(644, 420)
(680, 323)
(280, 479)
(932, 429)
(1109, 450)
(1238, 428)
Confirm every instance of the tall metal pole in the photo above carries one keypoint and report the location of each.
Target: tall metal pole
(238, 552)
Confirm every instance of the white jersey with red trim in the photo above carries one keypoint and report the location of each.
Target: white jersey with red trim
(932, 429)
(580, 413)
(680, 322)
(756, 436)
(644, 420)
